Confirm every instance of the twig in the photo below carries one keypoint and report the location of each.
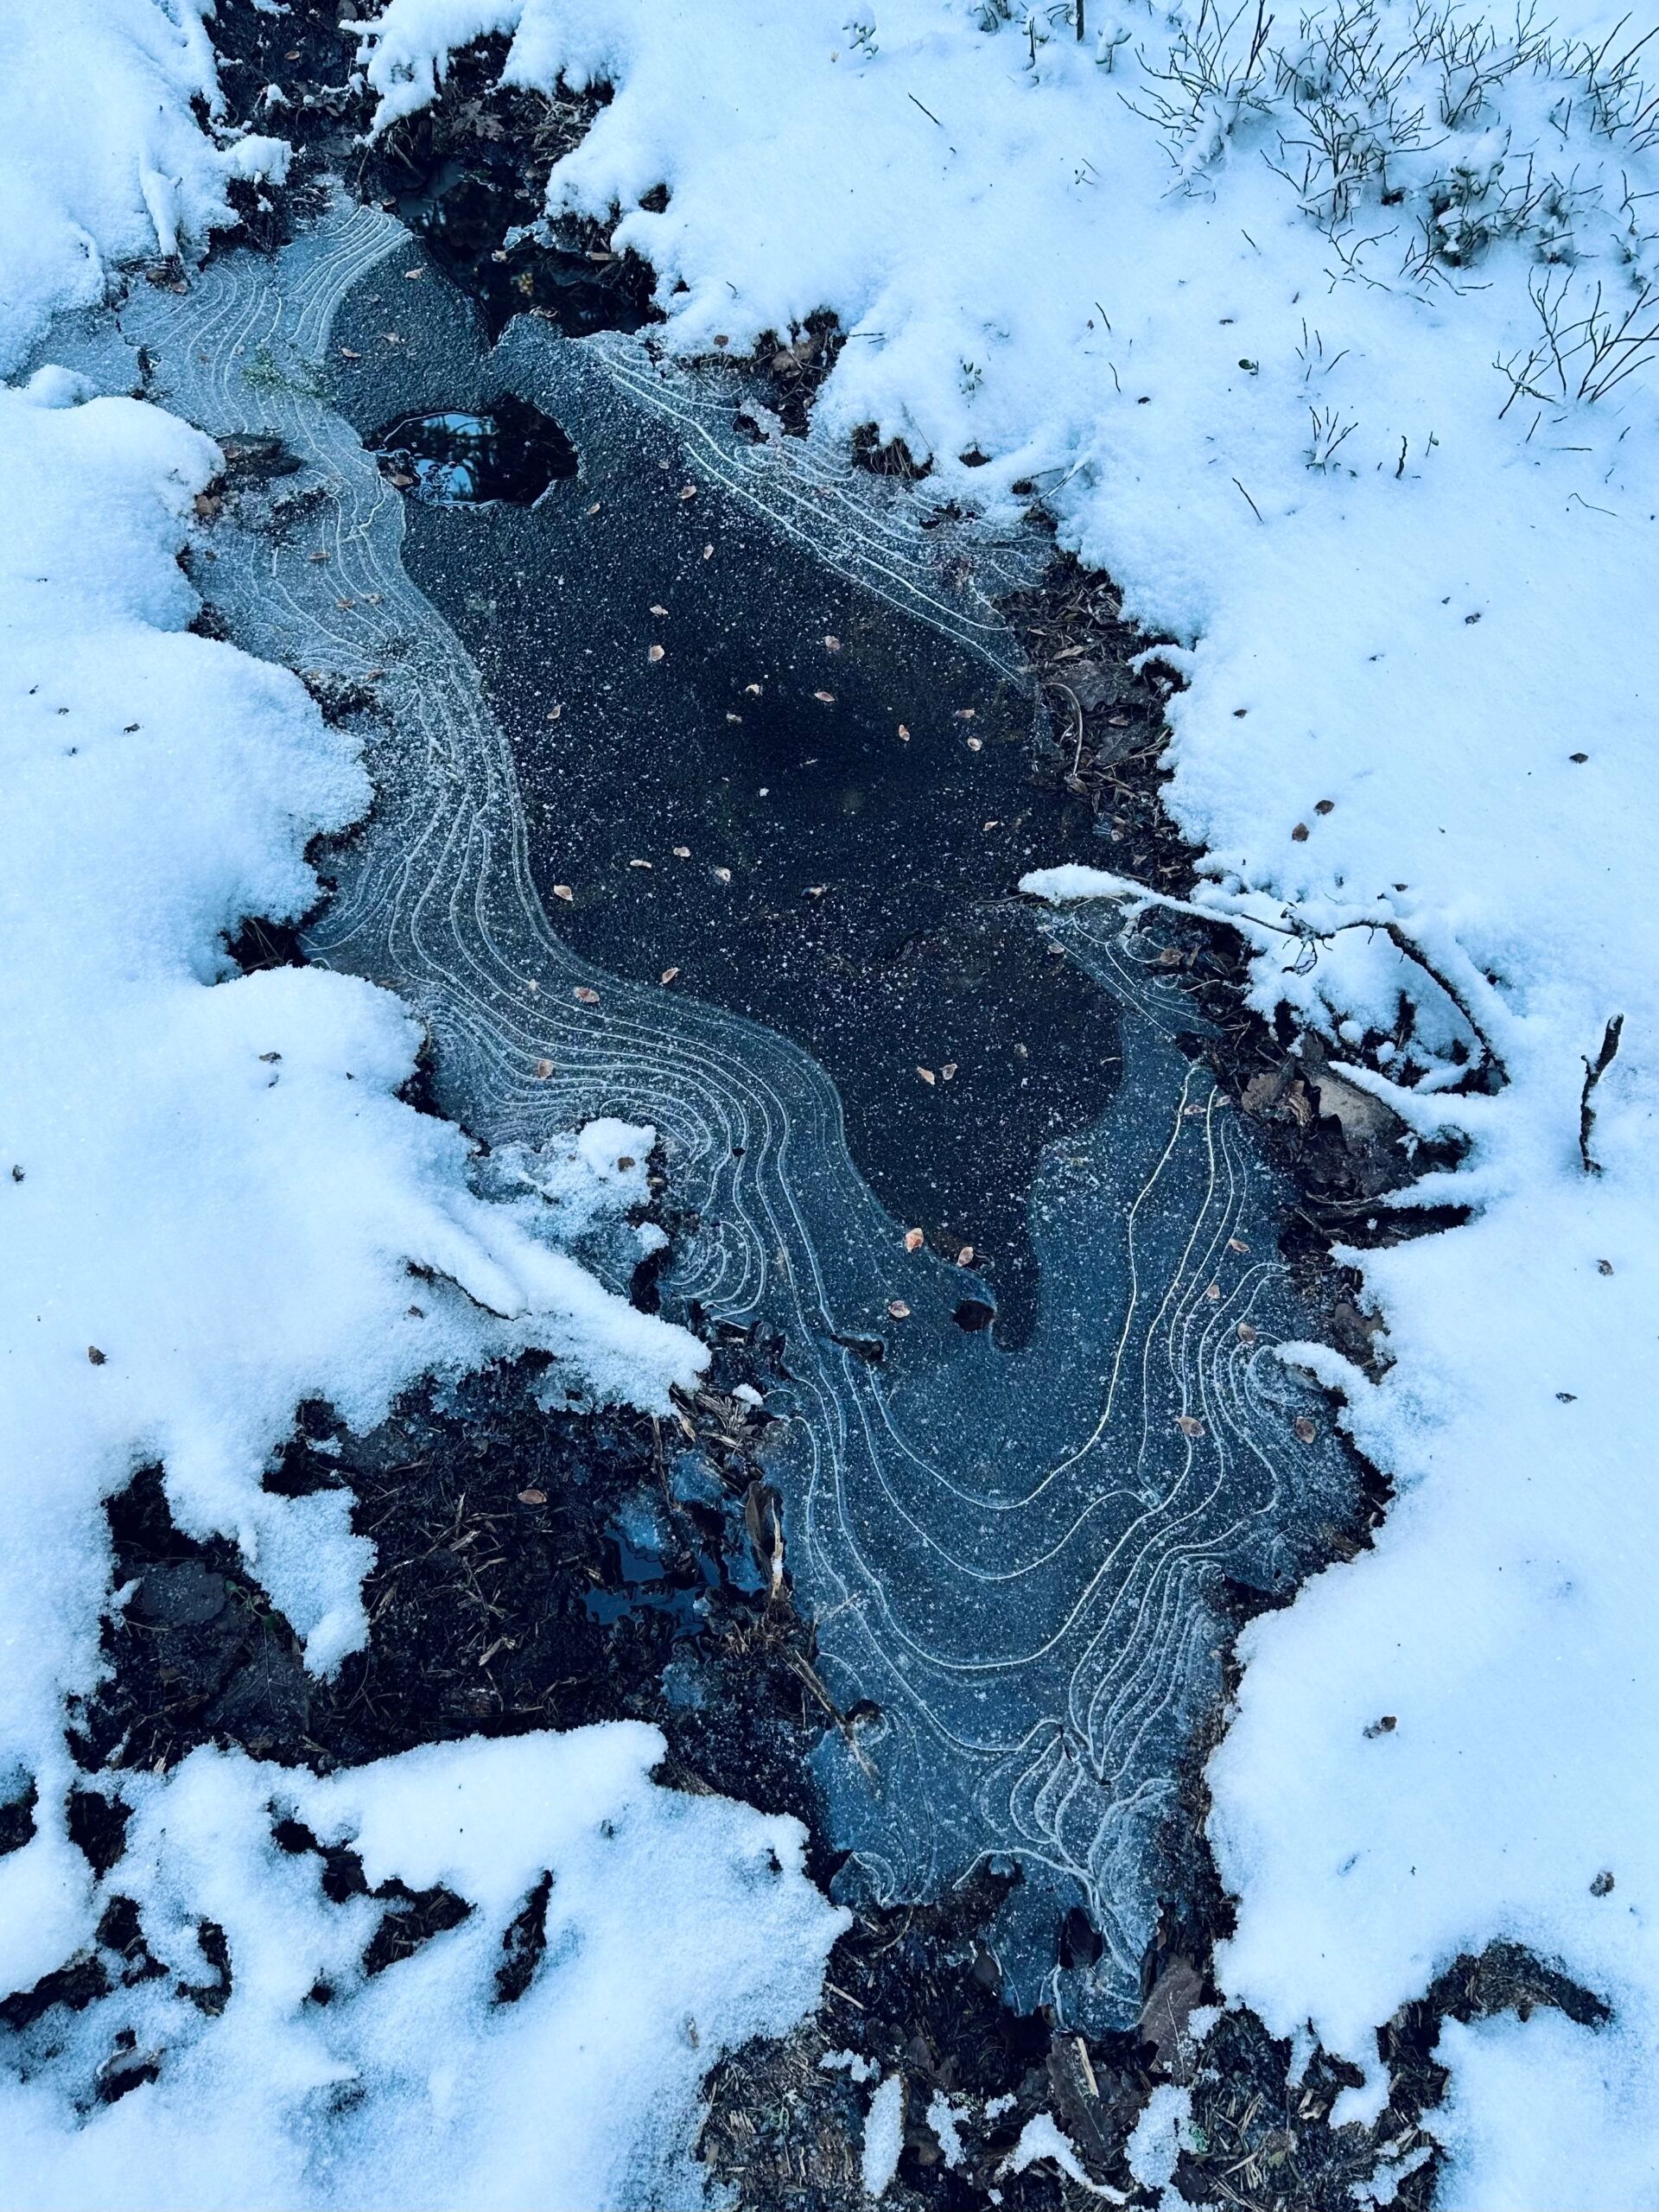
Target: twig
(1594, 1071)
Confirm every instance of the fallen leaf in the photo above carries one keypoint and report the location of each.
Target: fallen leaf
(587, 996)
(350, 354)
(1236, 1244)
(655, 653)
(898, 1310)
(532, 1497)
(1188, 1424)
(707, 552)
(639, 863)
(624, 1161)
(752, 691)
(903, 733)
(724, 874)
(553, 713)
(593, 510)
(914, 1240)
(975, 744)
(564, 891)
(1212, 1292)
(688, 490)
(668, 974)
(927, 1074)
(543, 1069)
(834, 643)
(1323, 806)
(1245, 1333)
(965, 1257)
(949, 1071)
(825, 698)
(1305, 1430)
(1173, 1998)
(659, 610)
(965, 714)
(96, 1357)
(1298, 835)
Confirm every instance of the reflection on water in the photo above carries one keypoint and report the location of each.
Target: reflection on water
(513, 453)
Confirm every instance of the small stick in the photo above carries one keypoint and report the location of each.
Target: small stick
(1594, 1071)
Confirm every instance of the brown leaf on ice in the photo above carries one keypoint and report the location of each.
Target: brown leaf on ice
(833, 642)
(543, 1069)
(532, 1497)
(949, 1071)
(1305, 1430)
(668, 974)
(927, 1074)
(1236, 1244)
(688, 490)
(1245, 1333)
(898, 1310)
(1189, 1425)
(96, 1357)
(975, 744)
(903, 733)
(965, 1257)
(825, 698)
(1298, 835)
(724, 874)
(1212, 1292)
(655, 653)
(639, 863)
(564, 891)
(682, 852)
(914, 1240)
(588, 997)
(659, 610)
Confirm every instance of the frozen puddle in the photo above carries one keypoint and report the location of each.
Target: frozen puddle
(727, 840)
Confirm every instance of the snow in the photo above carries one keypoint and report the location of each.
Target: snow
(143, 181)
(1408, 587)
(945, 2122)
(884, 2136)
(1154, 2146)
(218, 1205)
(1041, 2139)
(411, 2088)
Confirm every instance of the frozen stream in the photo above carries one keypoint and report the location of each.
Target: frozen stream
(1007, 1534)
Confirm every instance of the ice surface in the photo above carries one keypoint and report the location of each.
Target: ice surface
(1012, 1557)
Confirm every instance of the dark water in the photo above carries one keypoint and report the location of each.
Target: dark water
(512, 454)
(812, 807)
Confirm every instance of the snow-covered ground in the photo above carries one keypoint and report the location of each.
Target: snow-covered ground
(215, 1199)
(1336, 347)
(1320, 345)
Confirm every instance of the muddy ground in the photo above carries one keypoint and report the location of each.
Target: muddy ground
(538, 1570)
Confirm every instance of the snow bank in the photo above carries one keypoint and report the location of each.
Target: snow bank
(674, 1927)
(1322, 350)
(101, 161)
